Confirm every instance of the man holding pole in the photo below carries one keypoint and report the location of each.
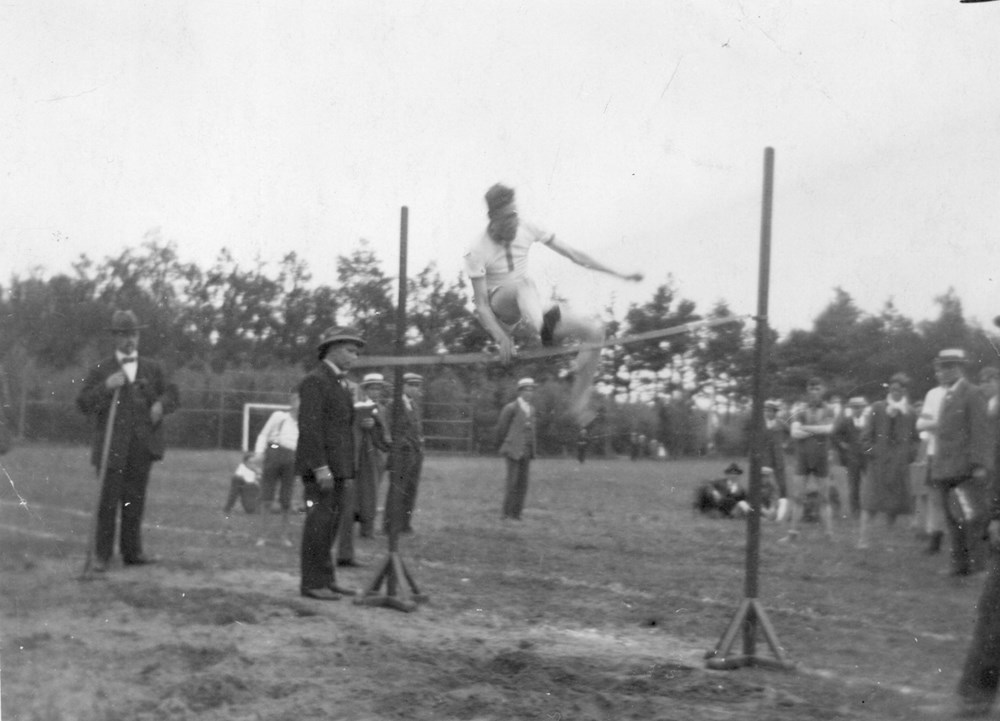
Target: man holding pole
(127, 396)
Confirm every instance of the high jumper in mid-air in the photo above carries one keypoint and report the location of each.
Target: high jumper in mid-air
(505, 296)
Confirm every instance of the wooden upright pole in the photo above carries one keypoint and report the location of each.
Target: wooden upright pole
(401, 592)
(750, 613)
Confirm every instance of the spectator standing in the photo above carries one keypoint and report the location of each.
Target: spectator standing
(811, 427)
(773, 452)
(890, 438)
(144, 396)
(408, 435)
(325, 457)
(517, 432)
(275, 451)
(374, 447)
(927, 426)
(359, 496)
(582, 442)
(962, 461)
(977, 687)
(847, 434)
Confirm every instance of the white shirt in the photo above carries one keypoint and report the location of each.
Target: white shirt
(502, 262)
(281, 429)
(525, 406)
(129, 368)
(927, 421)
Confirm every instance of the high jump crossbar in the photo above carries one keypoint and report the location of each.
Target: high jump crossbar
(535, 353)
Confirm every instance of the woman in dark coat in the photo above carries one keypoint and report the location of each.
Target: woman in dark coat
(890, 441)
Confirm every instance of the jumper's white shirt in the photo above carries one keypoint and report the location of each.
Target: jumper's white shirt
(503, 262)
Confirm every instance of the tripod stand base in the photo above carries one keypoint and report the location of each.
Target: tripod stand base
(748, 616)
(396, 578)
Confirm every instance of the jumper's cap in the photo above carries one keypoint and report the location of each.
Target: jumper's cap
(339, 334)
(951, 356)
(772, 404)
(497, 197)
(734, 468)
(373, 379)
(526, 383)
(125, 321)
(414, 378)
(857, 402)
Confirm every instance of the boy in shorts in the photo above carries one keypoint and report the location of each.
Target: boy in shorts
(812, 425)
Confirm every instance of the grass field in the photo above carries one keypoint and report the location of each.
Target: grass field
(599, 605)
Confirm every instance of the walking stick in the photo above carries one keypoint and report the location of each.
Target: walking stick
(101, 475)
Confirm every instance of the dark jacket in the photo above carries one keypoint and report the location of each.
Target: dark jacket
(326, 424)
(963, 442)
(516, 432)
(408, 428)
(132, 421)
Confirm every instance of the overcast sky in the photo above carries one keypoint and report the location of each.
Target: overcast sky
(633, 130)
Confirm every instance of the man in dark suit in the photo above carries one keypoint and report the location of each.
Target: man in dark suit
(408, 429)
(960, 466)
(325, 457)
(144, 396)
(516, 430)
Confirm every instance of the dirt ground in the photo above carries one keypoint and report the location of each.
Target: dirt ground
(599, 605)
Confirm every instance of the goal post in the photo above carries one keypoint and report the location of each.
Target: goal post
(255, 415)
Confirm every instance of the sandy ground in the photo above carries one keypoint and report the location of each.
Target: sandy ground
(565, 616)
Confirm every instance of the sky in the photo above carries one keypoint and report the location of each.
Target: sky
(634, 131)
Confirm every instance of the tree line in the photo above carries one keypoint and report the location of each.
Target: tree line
(256, 317)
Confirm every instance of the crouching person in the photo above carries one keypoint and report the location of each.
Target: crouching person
(723, 497)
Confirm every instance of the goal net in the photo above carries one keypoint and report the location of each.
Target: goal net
(255, 415)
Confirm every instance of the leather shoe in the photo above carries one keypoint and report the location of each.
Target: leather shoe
(321, 594)
(139, 561)
(341, 590)
(99, 566)
(349, 563)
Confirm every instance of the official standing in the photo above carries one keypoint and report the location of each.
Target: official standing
(408, 429)
(962, 461)
(145, 396)
(325, 457)
(516, 430)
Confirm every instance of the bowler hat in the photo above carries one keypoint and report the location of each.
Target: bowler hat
(412, 378)
(526, 383)
(734, 468)
(339, 334)
(373, 379)
(951, 356)
(124, 321)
